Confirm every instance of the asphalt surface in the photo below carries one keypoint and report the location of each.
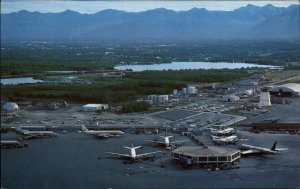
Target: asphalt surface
(287, 113)
(71, 161)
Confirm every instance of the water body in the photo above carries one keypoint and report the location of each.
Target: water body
(20, 80)
(62, 72)
(191, 65)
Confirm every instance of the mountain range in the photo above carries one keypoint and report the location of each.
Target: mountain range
(246, 23)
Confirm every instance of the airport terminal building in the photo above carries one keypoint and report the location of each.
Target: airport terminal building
(206, 156)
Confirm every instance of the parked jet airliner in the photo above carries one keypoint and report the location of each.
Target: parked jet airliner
(253, 150)
(133, 156)
(166, 142)
(224, 140)
(102, 133)
(36, 134)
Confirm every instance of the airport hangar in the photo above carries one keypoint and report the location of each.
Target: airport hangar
(206, 156)
(286, 90)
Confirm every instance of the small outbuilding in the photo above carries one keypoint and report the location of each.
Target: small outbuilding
(94, 107)
(206, 156)
(10, 106)
(230, 98)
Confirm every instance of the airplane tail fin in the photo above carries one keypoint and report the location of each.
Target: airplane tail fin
(274, 146)
(132, 147)
(84, 129)
(166, 135)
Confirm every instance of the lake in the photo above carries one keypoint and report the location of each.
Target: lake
(19, 80)
(191, 65)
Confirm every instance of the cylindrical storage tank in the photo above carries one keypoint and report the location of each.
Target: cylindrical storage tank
(191, 90)
(175, 92)
(166, 98)
(162, 98)
(184, 90)
(214, 85)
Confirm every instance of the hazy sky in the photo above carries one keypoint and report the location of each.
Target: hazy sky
(8, 6)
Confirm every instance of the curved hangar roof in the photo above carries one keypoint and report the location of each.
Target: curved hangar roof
(10, 106)
(289, 87)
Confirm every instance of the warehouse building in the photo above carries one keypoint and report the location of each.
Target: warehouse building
(158, 99)
(94, 107)
(286, 90)
(273, 126)
(247, 84)
(206, 156)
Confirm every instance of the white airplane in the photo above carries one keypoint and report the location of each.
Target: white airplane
(133, 156)
(222, 132)
(252, 150)
(166, 142)
(12, 144)
(103, 133)
(224, 140)
(36, 134)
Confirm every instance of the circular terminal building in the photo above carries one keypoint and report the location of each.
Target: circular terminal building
(206, 156)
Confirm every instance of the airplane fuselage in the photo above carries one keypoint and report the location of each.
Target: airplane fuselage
(133, 153)
(12, 143)
(40, 133)
(230, 139)
(167, 141)
(110, 132)
(259, 149)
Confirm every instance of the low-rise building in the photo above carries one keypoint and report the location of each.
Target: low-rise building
(248, 84)
(158, 99)
(206, 156)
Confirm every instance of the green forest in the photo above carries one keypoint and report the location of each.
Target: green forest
(118, 90)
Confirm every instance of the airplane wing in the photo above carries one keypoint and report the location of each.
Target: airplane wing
(281, 149)
(148, 154)
(179, 141)
(155, 141)
(34, 135)
(118, 154)
(103, 135)
(246, 152)
(107, 135)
